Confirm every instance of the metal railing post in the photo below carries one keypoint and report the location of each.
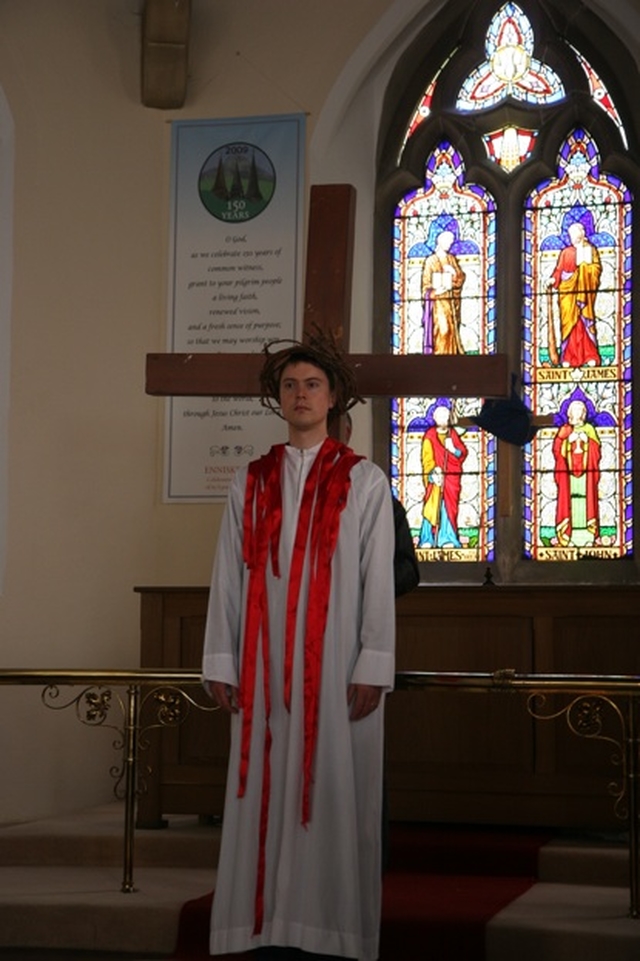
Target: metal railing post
(632, 782)
(130, 748)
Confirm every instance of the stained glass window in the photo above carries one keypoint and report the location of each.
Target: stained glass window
(510, 69)
(510, 146)
(443, 467)
(560, 307)
(600, 94)
(577, 359)
(423, 109)
(510, 42)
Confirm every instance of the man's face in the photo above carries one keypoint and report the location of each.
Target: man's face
(305, 396)
(576, 233)
(441, 416)
(445, 240)
(576, 413)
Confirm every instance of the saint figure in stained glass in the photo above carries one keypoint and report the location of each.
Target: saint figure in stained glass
(442, 280)
(576, 454)
(576, 278)
(443, 454)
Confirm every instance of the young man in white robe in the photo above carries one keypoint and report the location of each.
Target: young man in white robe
(299, 649)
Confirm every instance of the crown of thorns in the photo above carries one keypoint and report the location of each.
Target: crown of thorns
(318, 348)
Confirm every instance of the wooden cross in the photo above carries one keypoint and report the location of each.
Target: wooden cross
(327, 306)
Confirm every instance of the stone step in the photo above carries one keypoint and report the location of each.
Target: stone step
(585, 860)
(565, 922)
(61, 898)
(61, 885)
(82, 908)
(96, 837)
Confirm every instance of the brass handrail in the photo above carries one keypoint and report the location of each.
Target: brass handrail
(590, 693)
(95, 709)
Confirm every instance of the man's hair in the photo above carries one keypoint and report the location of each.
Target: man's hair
(319, 349)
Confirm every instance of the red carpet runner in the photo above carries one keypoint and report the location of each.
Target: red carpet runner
(442, 886)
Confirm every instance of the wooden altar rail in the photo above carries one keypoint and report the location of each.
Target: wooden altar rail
(588, 694)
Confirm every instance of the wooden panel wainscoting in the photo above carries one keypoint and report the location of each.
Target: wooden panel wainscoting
(465, 757)
(481, 757)
(187, 763)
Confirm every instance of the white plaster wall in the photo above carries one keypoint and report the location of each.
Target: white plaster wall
(85, 518)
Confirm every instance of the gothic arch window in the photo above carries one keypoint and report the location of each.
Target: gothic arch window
(506, 182)
(444, 303)
(577, 360)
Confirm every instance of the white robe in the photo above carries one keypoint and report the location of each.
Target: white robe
(322, 881)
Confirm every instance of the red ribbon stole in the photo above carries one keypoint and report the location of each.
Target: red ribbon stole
(262, 520)
(323, 499)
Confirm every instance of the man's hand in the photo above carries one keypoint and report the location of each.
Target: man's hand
(225, 696)
(364, 699)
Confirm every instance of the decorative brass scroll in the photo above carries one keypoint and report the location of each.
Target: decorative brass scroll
(166, 706)
(586, 717)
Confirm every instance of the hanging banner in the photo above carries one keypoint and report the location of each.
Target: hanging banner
(235, 281)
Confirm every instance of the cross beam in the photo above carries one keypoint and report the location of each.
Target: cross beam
(409, 375)
(327, 305)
